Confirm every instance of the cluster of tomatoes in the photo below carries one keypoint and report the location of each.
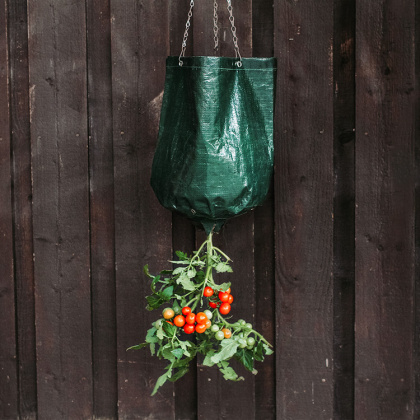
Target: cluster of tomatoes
(200, 322)
(189, 321)
(222, 301)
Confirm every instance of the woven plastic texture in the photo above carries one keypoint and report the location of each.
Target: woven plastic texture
(214, 157)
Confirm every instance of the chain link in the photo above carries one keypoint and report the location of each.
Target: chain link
(233, 29)
(215, 26)
(187, 26)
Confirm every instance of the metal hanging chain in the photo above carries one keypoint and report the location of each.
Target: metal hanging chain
(215, 26)
(235, 38)
(187, 26)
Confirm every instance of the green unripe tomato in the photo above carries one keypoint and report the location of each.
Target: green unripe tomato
(249, 347)
(248, 326)
(242, 343)
(209, 314)
(220, 335)
(214, 328)
(241, 335)
(250, 341)
(241, 322)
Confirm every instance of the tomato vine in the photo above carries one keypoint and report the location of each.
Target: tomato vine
(182, 290)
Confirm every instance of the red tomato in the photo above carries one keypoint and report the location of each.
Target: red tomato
(186, 310)
(200, 328)
(179, 321)
(190, 318)
(169, 322)
(208, 291)
(230, 300)
(189, 328)
(201, 318)
(223, 296)
(224, 308)
(214, 304)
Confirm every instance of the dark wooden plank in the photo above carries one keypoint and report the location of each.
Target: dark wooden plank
(303, 209)
(344, 148)
(57, 56)
(265, 381)
(417, 219)
(218, 398)
(22, 211)
(183, 232)
(139, 41)
(101, 167)
(8, 363)
(385, 122)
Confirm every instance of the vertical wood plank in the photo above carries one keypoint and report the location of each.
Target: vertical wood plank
(8, 368)
(303, 209)
(385, 122)
(57, 57)
(344, 149)
(183, 232)
(417, 218)
(217, 397)
(102, 244)
(139, 40)
(22, 207)
(265, 385)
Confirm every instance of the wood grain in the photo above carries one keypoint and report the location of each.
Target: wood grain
(102, 241)
(22, 207)
(139, 41)
(58, 106)
(344, 179)
(303, 210)
(9, 404)
(384, 210)
(265, 381)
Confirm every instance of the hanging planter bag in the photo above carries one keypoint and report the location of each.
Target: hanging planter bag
(214, 158)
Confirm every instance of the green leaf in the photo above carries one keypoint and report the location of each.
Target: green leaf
(169, 329)
(223, 287)
(138, 346)
(181, 255)
(178, 270)
(259, 352)
(223, 267)
(229, 374)
(267, 349)
(167, 353)
(167, 292)
(186, 283)
(161, 380)
(207, 360)
(160, 334)
(246, 358)
(179, 374)
(191, 273)
(154, 301)
(178, 353)
(151, 335)
(152, 349)
(229, 347)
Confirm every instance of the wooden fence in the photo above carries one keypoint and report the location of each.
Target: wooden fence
(327, 268)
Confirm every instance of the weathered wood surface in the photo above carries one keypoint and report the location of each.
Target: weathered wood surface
(8, 362)
(304, 190)
(59, 142)
(385, 210)
(327, 268)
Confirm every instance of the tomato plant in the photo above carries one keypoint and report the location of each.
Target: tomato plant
(187, 289)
